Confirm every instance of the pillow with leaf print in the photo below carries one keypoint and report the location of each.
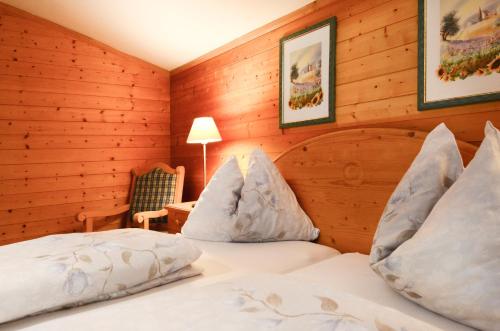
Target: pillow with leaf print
(214, 212)
(268, 209)
(452, 264)
(436, 167)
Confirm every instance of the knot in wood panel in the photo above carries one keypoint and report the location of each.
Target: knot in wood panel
(353, 174)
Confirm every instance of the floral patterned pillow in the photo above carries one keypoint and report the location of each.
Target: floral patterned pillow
(436, 167)
(214, 212)
(268, 209)
(452, 264)
(68, 270)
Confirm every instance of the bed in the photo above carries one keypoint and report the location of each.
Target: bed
(273, 257)
(342, 180)
(351, 273)
(218, 261)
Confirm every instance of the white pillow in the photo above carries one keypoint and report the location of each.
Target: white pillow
(268, 209)
(214, 212)
(70, 270)
(436, 167)
(452, 264)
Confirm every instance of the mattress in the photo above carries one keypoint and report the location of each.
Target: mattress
(351, 273)
(219, 261)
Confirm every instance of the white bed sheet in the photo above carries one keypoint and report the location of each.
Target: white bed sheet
(275, 257)
(351, 273)
(219, 261)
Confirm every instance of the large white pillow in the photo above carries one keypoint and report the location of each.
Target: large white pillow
(452, 264)
(436, 167)
(70, 270)
(268, 209)
(213, 215)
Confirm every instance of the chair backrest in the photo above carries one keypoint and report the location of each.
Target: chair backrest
(154, 187)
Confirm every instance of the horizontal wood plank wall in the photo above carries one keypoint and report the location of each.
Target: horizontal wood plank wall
(376, 86)
(75, 117)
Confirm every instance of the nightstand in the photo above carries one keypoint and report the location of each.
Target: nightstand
(177, 215)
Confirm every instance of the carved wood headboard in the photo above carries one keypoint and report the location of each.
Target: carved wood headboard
(343, 179)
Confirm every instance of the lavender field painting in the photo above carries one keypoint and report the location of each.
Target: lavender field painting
(470, 39)
(305, 78)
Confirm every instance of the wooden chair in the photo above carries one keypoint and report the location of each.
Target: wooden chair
(150, 191)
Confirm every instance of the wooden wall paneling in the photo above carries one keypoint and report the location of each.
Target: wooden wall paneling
(31, 37)
(24, 231)
(374, 18)
(75, 117)
(376, 86)
(8, 127)
(27, 141)
(13, 19)
(50, 184)
(41, 56)
(41, 170)
(78, 155)
(62, 114)
(30, 98)
(28, 69)
(26, 215)
(50, 85)
(379, 40)
(28, 200)
(25, 24)
(383, 63)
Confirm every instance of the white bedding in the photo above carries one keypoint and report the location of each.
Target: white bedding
(225, 262)
(273, 257)
(351, 273)
(219, 261)
(67, 270)
(254, 302)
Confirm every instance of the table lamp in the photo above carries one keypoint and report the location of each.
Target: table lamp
(203, 131)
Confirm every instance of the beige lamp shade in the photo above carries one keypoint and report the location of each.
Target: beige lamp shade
(203, 131)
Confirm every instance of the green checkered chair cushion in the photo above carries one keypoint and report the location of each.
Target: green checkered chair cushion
(153, 191)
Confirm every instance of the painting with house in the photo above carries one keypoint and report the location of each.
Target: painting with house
(459, 58)
(305, 78)
(470, 39)
(307, 72)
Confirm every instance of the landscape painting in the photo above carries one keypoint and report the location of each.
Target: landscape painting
(307, 75)
(305, 78)
(470, 39)
(459, 55)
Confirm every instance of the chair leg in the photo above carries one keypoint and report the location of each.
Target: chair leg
(146, 223)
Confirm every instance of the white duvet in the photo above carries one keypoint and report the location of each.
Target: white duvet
(254, 302)
(68, 270)
(279, 302)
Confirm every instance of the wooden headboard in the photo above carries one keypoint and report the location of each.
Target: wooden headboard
(343, 179)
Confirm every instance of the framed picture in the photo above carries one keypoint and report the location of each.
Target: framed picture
(459, 52)
(307, 75)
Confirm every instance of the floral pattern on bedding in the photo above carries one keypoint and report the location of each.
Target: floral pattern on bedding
(436, 167)
(68, 270)
(260, 208)
(452, 264)
(268, 209)
(280, 302)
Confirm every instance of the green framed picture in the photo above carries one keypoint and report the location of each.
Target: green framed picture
(307, 75)
(459, 52)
